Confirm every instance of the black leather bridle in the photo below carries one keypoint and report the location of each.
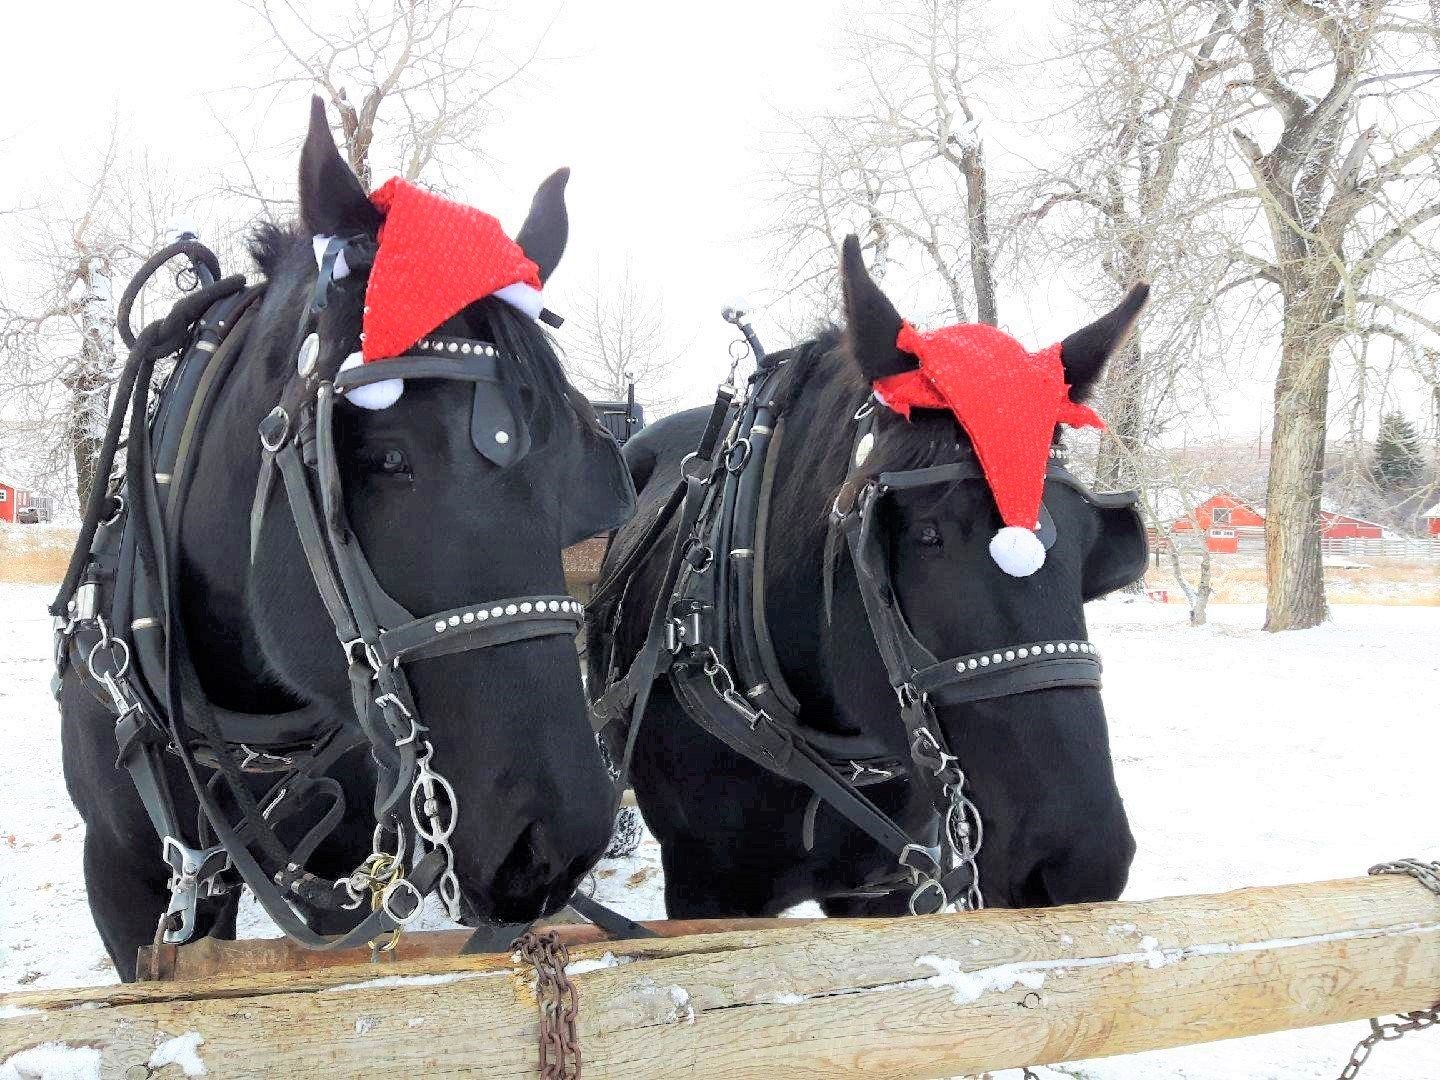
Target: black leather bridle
(158, 700)
(708, 632)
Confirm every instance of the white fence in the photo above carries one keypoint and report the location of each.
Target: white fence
(1393, 547)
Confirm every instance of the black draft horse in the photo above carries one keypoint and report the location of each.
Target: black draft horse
(1038, 763)
(444, 528)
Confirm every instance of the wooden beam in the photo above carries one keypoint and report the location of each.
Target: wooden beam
(209, 957)
(918, 997)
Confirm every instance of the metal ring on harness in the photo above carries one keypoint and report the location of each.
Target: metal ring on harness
(685, 464)
(121, 666)
(743, 445)
(273, 440)
(119, 501)
(914, 901)
(387, 899)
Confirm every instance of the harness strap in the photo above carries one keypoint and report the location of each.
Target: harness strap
(480, 626)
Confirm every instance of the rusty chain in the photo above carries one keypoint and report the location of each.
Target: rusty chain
(1428, 874)
(558, 1002)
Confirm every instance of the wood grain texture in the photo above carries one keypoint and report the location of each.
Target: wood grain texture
(208, 957)
(826, 999)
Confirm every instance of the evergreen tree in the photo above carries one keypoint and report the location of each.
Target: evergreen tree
(1399, 463)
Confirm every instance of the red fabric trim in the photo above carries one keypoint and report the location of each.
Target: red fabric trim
(1006, 398)
(435, 258)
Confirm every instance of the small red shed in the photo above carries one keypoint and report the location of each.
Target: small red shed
(1432, 520)
(9, 499)
(19, 504)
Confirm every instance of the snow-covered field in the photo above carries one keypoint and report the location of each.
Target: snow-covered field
(1245, 759)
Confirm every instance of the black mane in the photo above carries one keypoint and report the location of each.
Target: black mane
(270, 244)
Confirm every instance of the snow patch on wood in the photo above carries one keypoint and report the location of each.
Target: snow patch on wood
(609, 960)
(412, 980)
(182, 1050)
(971, 986)
(52, 1061)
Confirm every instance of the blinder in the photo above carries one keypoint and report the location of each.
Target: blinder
(498, 428)
(1121, 550)
(604, 496)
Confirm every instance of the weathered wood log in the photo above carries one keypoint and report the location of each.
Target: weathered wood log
(931, 996)
(208, 957)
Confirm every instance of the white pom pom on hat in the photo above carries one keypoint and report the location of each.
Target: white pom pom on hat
(373, 396)
(1017, 551)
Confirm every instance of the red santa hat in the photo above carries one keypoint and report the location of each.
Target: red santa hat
(1008, 400)
(435, 258)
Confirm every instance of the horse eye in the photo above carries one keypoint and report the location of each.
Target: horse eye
(929, 535)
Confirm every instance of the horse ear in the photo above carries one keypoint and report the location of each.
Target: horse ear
(547, 226)
(871, 322)
(332, 200)
(1083, 353)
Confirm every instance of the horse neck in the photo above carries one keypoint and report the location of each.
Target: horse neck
(218, 590)
(814, 456)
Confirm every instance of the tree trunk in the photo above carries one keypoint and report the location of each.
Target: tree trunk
(1294, 575)
(1200, 604)
(90, 385)
(1114, 468)
(977, 213)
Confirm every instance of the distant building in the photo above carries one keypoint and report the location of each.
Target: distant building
(19, 504)
(1229, 523)
(1337, 526)
(1431, 518)
(1224, 520)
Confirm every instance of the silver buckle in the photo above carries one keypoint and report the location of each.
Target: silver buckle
(192, 878)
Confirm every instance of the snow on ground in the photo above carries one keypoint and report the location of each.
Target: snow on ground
(1245, 759)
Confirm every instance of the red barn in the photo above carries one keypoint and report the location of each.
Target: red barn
(1432, 520)
(1337, 526)
(1225, 520)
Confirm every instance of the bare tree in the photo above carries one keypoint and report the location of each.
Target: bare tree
(617, 334)
(1120, 203)
(58, 355)
(421, 78)
(1349, 189)
(902, 163)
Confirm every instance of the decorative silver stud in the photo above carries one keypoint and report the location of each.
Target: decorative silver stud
(1009, 654)
(996, 658)
(497, 611)
(465, 348)
(454, 620)
(984, 661)
(1022, 653)
(468, 617)
(453, 347)
(439, 626)
(511, 609)
(502, 437)
(482, 615)
(1049, 648)
(527, 607)
(309, 353)
(863, 448)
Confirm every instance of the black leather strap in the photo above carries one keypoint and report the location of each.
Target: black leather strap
(482, 625)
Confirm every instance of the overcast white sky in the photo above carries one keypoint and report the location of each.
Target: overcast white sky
(663, 110)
